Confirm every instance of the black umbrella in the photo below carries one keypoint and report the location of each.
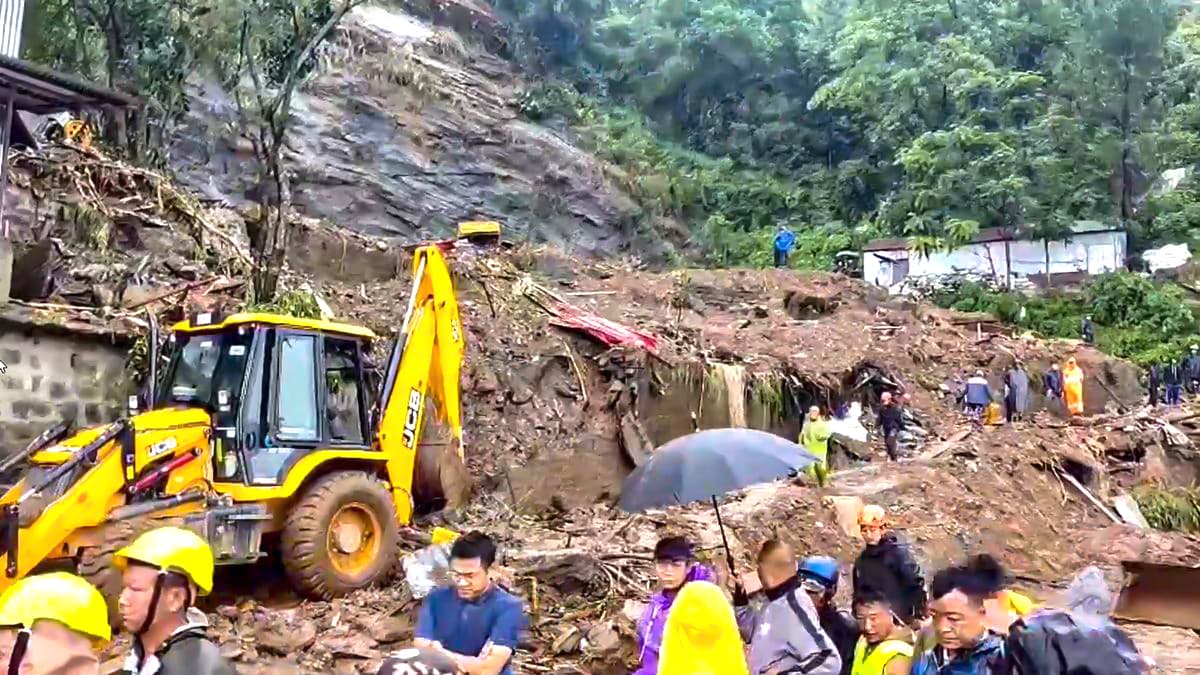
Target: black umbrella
(707, 464)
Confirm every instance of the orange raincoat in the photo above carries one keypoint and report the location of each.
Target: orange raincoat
(1073, 386)
(702, 636)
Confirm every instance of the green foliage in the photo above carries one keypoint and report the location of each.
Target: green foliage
(1173, 510)
(297, 303)
(1134, 318)
(927, 119)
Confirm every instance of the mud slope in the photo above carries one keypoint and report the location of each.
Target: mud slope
(407, 129)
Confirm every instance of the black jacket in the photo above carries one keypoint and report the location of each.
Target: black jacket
(187, 652)
(1052, 383)
(1173, 374)
(842, 629)
(890, 568)
(891, 418)
(1191, 367)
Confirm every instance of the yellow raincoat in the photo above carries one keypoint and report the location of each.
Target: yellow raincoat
(1073, 386)
(701, 637)
(814, 436)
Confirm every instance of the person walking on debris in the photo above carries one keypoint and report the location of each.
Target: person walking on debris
(819, 578)
(674, 565)
(1052, 385)
(1173, 378)
(701, 636)
(784, 631)
(1072, 376)
(886, 564)
(475, 622)
(1016, 392)
(891, 423)
(964, 645)
(53, 623)
(1088, 330)
(885, 647)
(1154, 383)
(979, 397)
(814, 436)
(1191, 371)
(163, 572)
(784, 241)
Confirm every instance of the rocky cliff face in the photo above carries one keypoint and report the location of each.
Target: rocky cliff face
(410, 127)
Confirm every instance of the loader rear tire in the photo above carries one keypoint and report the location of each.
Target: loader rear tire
(341, 535)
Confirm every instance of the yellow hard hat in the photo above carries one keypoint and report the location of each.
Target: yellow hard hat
(60, 597)
(873, 514)
(172, 549)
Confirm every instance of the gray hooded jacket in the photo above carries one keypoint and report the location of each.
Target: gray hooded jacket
(785, 634)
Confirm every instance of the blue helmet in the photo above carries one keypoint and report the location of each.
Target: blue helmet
(822, 569)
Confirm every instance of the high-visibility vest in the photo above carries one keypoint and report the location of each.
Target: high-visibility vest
(877, 660)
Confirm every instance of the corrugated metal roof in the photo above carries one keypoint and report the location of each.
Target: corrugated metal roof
(990, 234)
(41, 90)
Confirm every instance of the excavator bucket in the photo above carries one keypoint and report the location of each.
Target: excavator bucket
(1167, 595)
(480, 232)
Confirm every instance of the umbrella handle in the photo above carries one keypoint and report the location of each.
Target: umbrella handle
(724, 541)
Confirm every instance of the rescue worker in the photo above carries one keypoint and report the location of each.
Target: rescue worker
(53, 623)
(1016, 392)
(784, 241)
(979, 396)
(887, 565)
(1087, 330)
(163, 572)
(964, 645)
(891, 423)
(1191, 370)
(782, 627)
(1173, 379)
(1052, 385)
(885, 647)
(1073, 386)
(701, 637)
(819, 578)
(814, 436)
(674, 565)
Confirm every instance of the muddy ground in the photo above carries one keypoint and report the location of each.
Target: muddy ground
(555, 420)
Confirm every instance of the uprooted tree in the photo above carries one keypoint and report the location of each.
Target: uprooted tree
(277, 47)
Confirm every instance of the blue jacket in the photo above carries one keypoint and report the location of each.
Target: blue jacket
(785, 240)
(987, 658)
(979, 392)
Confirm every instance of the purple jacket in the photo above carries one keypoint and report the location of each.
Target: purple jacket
(654, 620)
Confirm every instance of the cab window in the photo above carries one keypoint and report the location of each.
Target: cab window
(296, 398)
(343, 392)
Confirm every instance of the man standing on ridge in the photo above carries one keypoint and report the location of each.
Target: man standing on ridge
(784, 241)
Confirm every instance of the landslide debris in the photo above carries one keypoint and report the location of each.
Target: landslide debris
(556, 417)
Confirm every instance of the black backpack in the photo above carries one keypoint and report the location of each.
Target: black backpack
(1053, 643)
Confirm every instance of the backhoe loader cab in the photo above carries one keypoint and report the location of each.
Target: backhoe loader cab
(261, 424)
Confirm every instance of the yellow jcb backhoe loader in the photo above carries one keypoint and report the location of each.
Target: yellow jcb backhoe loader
(264, 429)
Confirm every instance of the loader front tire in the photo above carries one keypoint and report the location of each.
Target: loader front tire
(96, 563)
(341, 535)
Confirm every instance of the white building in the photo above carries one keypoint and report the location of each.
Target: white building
(1093, 248)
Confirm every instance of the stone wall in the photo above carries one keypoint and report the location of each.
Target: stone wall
(56, 375)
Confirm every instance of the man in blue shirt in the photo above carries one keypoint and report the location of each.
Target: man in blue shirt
(784, 240)
(477, 623)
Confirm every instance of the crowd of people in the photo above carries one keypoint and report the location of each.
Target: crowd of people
(1062, 388)
(781, 618)
(1168, 380)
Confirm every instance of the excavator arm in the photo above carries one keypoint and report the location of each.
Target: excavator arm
(426, 362)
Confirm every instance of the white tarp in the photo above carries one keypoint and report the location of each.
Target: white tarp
(1167, 257)
(850, 426)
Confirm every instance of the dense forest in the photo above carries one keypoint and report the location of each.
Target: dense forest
(852, 118)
